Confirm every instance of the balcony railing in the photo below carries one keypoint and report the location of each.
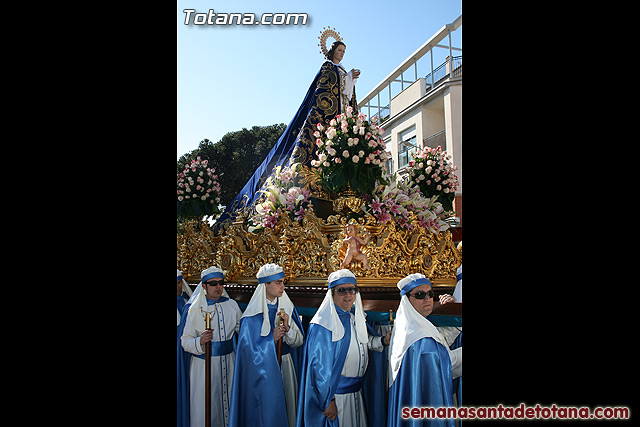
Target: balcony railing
(438, 138)
(440, 74)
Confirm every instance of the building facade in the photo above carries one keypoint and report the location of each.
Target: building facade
(427, 111)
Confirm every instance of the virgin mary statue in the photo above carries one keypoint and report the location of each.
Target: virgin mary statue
(332, 90)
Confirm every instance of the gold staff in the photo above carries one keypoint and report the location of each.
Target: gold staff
(207, 367)
(279, 343)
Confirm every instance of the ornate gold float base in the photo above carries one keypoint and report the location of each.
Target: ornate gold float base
(309, 252)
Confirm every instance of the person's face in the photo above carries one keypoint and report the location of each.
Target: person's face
(274, 289)
(180, 287)
(344, 301)
(338, 54)
(422, 306)
(214, 288)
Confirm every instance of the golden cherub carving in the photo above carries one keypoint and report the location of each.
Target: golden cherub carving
(350, 249)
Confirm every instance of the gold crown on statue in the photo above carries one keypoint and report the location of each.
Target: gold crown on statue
(324, 35)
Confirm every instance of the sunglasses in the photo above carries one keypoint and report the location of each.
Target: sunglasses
(221, 283)
(422, 294)
(344, 291)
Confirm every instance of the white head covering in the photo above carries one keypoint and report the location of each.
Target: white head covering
(199, 299)
(258, 302)
(327, 316)
(409, 325)
(457, 292)
(185, 286)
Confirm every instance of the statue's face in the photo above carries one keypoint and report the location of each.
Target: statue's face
(338, 54)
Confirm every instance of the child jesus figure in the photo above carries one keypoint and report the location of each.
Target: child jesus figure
(353, 243)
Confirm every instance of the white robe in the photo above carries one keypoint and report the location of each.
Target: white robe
(350, 407)
(224, 324)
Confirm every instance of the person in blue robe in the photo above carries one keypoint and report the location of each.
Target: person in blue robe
(210, 297)
(325, 99)
(421, 366)
(263, 392)
(457, 382)
(335, 359)
(184, 293)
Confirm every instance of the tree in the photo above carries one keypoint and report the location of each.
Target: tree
(236, 156)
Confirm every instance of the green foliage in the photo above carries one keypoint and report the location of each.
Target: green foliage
(236, 156)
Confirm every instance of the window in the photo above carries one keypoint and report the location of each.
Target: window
(389, 163)
(405, 151)
(407, 146)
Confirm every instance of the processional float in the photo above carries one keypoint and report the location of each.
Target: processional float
(330, 175)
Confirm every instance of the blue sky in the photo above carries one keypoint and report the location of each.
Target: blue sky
(236, 76)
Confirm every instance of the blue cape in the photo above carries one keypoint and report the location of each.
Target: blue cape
(374, 387)
(424, 379)
(322, 364)
(182, 300)
(257, 395)
(184, 362)
(296, 144)
(457, 383)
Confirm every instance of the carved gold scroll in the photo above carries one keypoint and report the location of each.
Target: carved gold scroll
(309, 251)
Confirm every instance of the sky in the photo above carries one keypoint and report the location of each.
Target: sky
(238, 76)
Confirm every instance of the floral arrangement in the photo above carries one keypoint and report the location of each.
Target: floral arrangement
(398, 199)
(198, 189)
(351, 153)
(432, 170)
(281, 196)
